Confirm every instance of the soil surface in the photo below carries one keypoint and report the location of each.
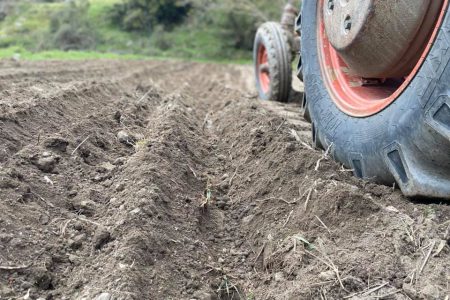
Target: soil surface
(171, 180)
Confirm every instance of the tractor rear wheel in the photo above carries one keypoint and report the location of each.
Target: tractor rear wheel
(272, 62)
(380, 100)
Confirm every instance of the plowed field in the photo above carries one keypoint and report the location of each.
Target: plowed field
(171, 180)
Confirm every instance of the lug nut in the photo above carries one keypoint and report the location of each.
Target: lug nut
(348, 23)
(330, 4)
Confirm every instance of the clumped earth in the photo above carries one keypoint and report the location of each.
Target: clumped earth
(170, 180)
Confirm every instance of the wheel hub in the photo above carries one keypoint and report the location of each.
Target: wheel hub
(380, 38)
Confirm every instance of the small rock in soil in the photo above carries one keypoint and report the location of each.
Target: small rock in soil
(120, 161)
(199, 295)
(126, 138)
(279, 277)
(106, 167)
(327, 276)
(104, 296)
(107, 183)
(73, 259)
(101, 237)
(84, 207)
(98, 179)
(78, 226)
(71, 243)
(47, 162)
(135, 211)
(247, 220)
(221, 157)
(80, 238)
(44, 219)
(115, 202)
(120, 187)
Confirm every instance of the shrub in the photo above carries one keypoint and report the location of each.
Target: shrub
(237, 20)
(144, 15)
(237, 30)
(70, 29)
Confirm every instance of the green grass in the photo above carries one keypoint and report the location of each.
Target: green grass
(24, 35)
(22, 54)
(29, 26)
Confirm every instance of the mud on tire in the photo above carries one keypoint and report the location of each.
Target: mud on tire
(408, 142)
(272, 39)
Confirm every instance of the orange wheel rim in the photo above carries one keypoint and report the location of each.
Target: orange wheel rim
(263, 69)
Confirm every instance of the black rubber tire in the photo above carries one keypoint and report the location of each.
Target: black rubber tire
(408, 142)
(274, 38)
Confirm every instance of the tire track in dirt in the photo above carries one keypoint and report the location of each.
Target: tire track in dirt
(213, 195)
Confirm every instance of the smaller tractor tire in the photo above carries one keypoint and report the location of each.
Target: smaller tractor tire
(272, 58)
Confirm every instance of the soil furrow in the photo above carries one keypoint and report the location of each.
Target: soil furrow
(53, 112)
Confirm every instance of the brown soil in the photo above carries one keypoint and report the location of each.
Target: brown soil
(170, 180)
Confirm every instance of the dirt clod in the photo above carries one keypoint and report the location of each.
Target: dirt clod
(77, 241)
(101, 237)
(42, 278)
(56, 143)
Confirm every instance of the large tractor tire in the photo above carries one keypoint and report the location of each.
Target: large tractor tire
(272, 58)
(379, 101)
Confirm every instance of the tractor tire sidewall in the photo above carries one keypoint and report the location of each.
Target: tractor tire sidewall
(276, 42)
(408, 142)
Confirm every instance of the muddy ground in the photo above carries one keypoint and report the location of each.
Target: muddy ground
(170, 180)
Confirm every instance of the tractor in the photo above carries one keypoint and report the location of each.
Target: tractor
(376, 77)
